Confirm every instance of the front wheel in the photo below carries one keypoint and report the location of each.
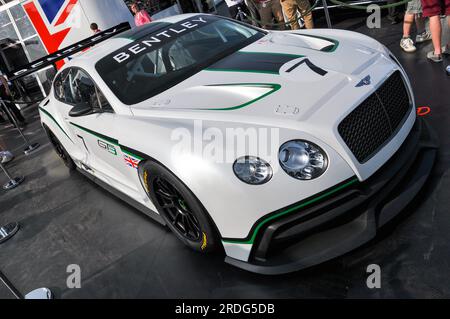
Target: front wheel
(182, 211)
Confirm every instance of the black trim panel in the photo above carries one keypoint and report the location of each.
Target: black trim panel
(254, 62)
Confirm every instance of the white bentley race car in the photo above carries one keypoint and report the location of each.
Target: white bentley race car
(334, 110)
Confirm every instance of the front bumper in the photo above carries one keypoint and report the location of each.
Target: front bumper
(350, 218)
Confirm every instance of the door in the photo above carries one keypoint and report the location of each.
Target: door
(97, 131)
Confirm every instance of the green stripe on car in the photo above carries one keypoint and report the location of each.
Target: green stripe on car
(101, 136)
(272, 86)
(56, 122)
(108, 139)
(250, 239)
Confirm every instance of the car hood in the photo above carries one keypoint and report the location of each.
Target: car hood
(303, 70)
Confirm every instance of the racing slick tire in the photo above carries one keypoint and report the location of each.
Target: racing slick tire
(182, 211)
(60, 150)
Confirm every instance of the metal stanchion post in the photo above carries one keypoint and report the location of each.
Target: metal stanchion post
(327, 14)
(30, 147)
(41, 293)
(7, 231)
(13, 182)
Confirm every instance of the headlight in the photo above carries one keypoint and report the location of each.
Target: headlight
(302, 159)
(252, 170)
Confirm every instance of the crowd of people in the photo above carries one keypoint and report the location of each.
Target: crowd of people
(417, 11)
(270, 14)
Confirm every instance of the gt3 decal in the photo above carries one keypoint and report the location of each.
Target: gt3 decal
(108, 147)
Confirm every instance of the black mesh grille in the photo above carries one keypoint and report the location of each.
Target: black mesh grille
(376, 120)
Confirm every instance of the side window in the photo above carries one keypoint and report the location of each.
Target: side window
(59, 86)
(73, 86)
(62, 89)
(86, 91)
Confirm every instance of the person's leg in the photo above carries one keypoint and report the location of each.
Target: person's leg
(305, 7)
(233, 11)
(290, 10)
(433, 10)
(422, 33)
(393, 12)
(277, 12)
(420, 23)
(265, 12)
(436, 33)
(253, 12)
(406, 43)
(407, 24)
(447, 13)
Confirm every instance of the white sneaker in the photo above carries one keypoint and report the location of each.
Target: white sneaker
(407, 45)
(424, 36)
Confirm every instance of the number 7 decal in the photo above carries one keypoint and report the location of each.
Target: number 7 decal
(311, 65)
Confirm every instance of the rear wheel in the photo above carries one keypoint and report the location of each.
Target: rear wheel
(60, 150)
(182, 211)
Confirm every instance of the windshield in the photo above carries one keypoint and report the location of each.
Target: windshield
(164, 58)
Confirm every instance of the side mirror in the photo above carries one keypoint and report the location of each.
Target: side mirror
(80, 109)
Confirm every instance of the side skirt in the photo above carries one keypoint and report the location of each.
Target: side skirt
(147, 211)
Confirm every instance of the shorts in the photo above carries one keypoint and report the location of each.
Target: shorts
(414, 7)
(433, 8)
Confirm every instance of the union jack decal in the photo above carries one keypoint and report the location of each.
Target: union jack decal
(131, 161)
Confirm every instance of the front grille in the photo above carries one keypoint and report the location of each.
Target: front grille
(373, 123)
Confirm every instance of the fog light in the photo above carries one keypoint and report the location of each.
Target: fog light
(252, 170)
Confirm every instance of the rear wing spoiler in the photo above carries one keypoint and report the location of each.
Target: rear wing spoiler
(51, 59)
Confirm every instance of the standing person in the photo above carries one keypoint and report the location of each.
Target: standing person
(393, 12)
(94, 28)
(413, 12)
(290, 8)
(434, 9)
(269, 9)
(253, 10)
(6, 96)
(141, 17)
(233, 6)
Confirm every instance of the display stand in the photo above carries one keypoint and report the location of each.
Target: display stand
(8, 231)
(41, 293)
(12, 182)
